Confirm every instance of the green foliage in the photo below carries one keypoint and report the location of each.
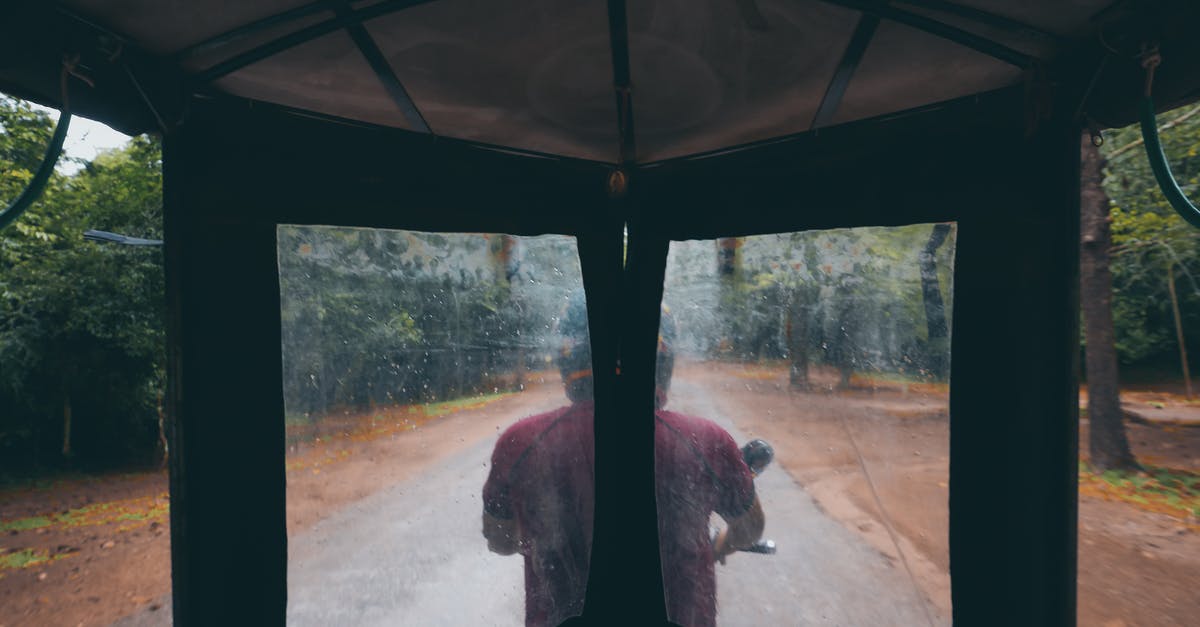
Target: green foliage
(1148, 237)
(396, 317)
(24, 558)
(24, 524)
(1156, 488)
(851, 298)
(81, 323)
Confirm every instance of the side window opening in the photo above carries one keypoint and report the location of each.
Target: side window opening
(832, 349)
(429, 383)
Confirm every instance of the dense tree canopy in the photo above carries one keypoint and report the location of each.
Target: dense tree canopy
(1151, 243)
(81, 323)
(851, 298)
(381, 317)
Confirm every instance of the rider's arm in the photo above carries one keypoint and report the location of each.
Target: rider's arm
(741, 532)
(501, 534)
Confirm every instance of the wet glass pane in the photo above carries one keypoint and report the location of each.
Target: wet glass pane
(424, 392)
(825, 355)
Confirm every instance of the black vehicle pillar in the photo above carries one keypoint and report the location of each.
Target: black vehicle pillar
(228, 528)
(1013, 396)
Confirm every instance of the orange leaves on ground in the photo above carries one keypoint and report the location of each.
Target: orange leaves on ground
(899, 383)
(1175, 493)
(765, 370)
(131, 513)
(324, 441)
(124, 514)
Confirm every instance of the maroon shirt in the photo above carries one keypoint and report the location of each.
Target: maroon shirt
(542, 477)
(698, 470)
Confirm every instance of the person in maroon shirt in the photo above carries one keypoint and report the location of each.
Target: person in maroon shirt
(538, 498)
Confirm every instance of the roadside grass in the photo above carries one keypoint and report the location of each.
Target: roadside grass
(136, 512)
(383, 412)
(25, 524)
(761, 371)
(915, 382)
(368, 426)
(43, 509)
(128, 513)
(901, 381)
(62, 481)
(25, 558)
(122, 514)
(1169, 491)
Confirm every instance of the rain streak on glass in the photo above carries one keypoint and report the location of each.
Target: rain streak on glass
(406, 356)
(833, 348)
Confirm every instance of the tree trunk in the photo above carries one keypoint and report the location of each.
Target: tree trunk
(796, 331)
(935, 308)
(729, 277)
(1183, 358)
(1107, 442)
(507, 265)
(164, 449)
(844, 348)
(729, 259)
(845, 373)
(521, 357)
(66, 442)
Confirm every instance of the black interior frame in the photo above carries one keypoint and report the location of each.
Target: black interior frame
(1002, 165)
(237, 170)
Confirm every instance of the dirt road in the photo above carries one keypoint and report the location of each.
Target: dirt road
(413, 554)
(823, 573)
(875, 458)
(385, 529)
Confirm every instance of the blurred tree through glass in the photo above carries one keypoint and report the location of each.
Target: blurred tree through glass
(855, 299)
(374, 316)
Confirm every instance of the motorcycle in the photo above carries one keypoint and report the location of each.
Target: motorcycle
(758, 454)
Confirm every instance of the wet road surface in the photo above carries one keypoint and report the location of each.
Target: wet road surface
(413, 554)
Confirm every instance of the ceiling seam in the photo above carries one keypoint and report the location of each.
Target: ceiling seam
(991, 48)
(618, 37)
(853, 55)
(246, 30)
(985, 18)
(299, 37)
(384, 71)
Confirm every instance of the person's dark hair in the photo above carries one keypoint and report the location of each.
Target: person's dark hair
(575, 356)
